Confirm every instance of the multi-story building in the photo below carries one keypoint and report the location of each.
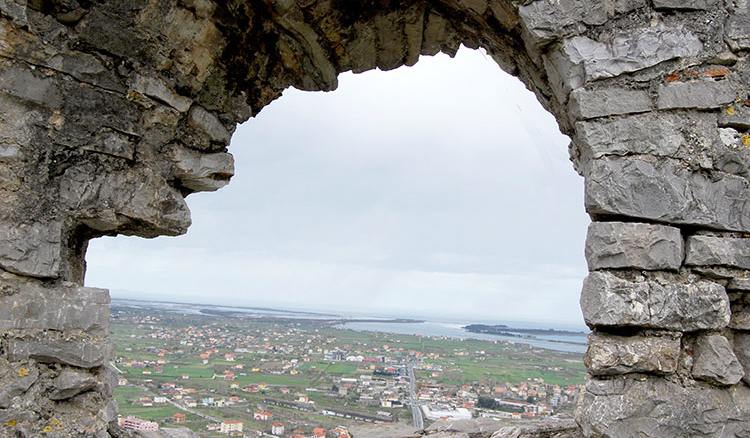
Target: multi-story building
(277, 429)
(133, 423)
(231, 426)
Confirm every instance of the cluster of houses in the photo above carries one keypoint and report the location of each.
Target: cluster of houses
(278, 429)
(531, 398)
(380, 382)
(283, 340)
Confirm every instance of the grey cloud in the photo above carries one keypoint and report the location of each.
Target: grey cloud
(450, 167)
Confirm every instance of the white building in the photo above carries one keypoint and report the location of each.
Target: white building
(133, 423)
(228, 427)
(437, 412)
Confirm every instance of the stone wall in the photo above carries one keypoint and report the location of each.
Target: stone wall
(114, 111)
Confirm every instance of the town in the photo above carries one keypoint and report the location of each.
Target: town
(224, 375)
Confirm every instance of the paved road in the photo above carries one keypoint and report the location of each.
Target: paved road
(117, 369)
(416, 413)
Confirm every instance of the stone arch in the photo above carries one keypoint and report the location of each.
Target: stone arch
(113, 112)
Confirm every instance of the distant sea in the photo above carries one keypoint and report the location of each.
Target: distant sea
(427, 327)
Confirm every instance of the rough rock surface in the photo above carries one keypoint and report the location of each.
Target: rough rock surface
(17, 379)
(609, 301)
(718, 251)
(71, 383)
(611, 355)
(167, 433)
(476, 428)
(633, 245)
(77, 350)
(740, 307)
(701, 94)
(738, 283)
(657, 407)
(114, 112)
(590, 104)
(28, 305)
(742, 352)
(715, 361)
(665, 191)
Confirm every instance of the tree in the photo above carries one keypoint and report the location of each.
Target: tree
(487, 403)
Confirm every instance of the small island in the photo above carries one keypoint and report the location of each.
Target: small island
(504, 330)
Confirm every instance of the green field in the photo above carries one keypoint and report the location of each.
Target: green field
(472, 365)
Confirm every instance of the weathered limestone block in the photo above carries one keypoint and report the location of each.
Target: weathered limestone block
(738, 117)
(439, 35)
(740, 306)
(580, 59)
(665, 191)
(201, 172)
(737, 31)
(735, 155)
(17, 378)
(718, 273)
(714, 361)
(739, 283)
(633, 245)
(29, 84)
(391, 41)
(110, 142)
(657, 407)
(475, 428)
(114, 201)
(209, 124)
(165, 432)
(718, 251)
(476, 6)
(609, 301)
(159, 90)
(31, 249)
(413, 30)
(589, 104)
(16, 122)
(742, 351)
(99, 29)
(387, 429)
(482, 427)
(548, 20)
(83, 351)
(687, 136)
(88, 414)
(642, 134)
(29, 305)
(189, 38)
(70, 383)
(361, 53)
(684, 4)
(610, 354)
(16, 9)
(317, 72)
(699, 94)
(507, 432)
(106, 379)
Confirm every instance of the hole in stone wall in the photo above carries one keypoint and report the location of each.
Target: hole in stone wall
(441, 190)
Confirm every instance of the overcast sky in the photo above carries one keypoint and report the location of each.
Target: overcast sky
(441, 189)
